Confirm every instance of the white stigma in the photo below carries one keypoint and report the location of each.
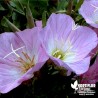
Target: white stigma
(13, 51)
(96, 8)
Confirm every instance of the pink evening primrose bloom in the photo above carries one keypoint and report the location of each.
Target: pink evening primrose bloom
(91, 76)
(67, 44)
(89, 10)
(20, 56)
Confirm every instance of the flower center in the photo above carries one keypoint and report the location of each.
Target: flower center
(26, 64)
(58, 54)
(96, 22)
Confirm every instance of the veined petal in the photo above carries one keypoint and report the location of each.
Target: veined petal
(58, 27)
(8, 75)
(60, 63)
(83, 40)
(60, 24)
(11, 80)
(81, 66)
(8, 40)
(29, 37)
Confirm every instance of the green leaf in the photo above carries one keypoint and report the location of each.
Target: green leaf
(1, 8)
(17, 6)
(44, 18)
(11, 25)
(62, 4)
(30, 19)
(78, 4)
(3, 23)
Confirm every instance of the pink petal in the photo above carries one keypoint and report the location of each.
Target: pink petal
(81, 66)
(30, 38)
(39, 24)
(59, 62)
(83, 40)
(8, 76)
(58, 27)
(32, 42)
(7, 39)
(12, 81)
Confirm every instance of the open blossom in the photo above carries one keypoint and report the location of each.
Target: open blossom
(20, 56)
(89, 10)
(67, 44)
(91, 76)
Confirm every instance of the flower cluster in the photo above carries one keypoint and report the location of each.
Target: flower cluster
(68, 45)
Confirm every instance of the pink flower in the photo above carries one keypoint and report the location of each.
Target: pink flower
(67, 44)
(89, 10)
(91, 76)
(20, 56)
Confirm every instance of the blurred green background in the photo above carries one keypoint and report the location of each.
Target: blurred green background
(23, 13)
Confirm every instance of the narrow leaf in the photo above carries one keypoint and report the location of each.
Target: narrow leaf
(44, 18)
(78, 4)
(11, 25)
(30, 19)
(1, 8)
